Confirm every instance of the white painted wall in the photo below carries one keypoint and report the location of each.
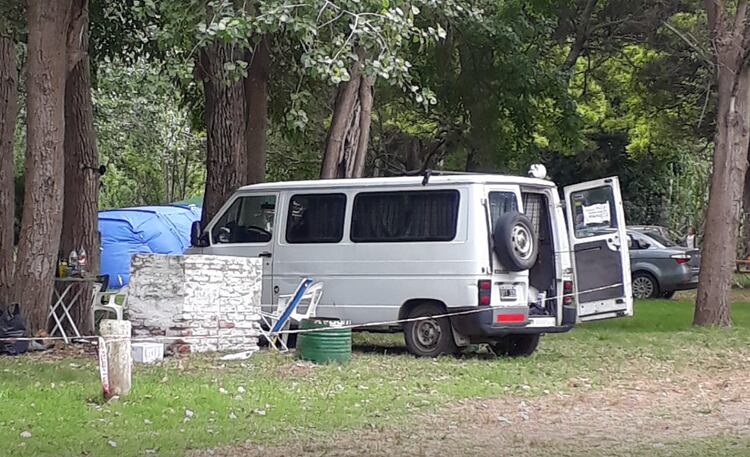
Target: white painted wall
(215, 297)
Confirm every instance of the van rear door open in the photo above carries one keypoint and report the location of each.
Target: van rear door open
(599, 249)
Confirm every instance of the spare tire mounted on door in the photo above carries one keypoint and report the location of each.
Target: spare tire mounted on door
(515, 242)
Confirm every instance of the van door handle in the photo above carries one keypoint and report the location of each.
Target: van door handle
(264, 254)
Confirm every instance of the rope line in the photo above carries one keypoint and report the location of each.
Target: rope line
(187, 339)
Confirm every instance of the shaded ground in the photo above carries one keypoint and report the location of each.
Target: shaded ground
(643, 416)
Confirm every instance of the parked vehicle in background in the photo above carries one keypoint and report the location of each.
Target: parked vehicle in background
(660, 267)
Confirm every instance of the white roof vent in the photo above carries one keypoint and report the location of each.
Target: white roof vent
(538, 171)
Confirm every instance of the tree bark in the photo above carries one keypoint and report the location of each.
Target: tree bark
(8, 113)
(581, 37)
(81, 200)
(712, 305)
(256, 94)
(225, 128)
(41, 222)
(349, 134)
(746, 215)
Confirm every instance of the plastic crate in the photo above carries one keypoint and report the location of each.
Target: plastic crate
(147, 352)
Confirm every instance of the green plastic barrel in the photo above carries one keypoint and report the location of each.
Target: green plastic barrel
(324, 346)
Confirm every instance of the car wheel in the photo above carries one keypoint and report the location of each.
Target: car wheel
(645, 286)
(515, 241)
(668, 295)
(516, 345)
(429, 337)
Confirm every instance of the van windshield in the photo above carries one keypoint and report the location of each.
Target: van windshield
(501, 203)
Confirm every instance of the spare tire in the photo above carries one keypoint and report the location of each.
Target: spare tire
(515, 241)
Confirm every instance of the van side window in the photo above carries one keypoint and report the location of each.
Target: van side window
(316, 218)
(501, 203)
(248, 220)
(383, 217)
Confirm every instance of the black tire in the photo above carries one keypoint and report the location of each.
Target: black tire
(516, 345)
(645, 286)
(429, 337)
(668, 295)
(515, 241)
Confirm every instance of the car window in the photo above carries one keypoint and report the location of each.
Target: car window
(638, 242)
(316, 218)
(594, 211)
(248, 220)
(661, 240)
(405, 216)
(501, 203)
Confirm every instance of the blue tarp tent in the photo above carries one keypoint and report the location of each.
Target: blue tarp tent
(147, 229)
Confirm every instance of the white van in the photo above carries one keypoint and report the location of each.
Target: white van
(494, 252)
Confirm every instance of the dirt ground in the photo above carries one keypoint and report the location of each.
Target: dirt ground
(638, 416)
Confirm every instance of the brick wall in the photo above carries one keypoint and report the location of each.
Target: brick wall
(196, 296)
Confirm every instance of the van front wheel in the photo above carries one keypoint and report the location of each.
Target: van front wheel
(516, 345)
(429, 337)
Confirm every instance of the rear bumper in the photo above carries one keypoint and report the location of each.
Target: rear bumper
(485, 324)
(686, 281)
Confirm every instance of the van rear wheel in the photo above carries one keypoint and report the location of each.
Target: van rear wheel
(516, 345)
(429, 337)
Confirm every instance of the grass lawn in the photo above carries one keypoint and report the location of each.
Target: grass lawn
(199, 402)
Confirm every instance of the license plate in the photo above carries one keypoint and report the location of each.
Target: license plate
(507, 292)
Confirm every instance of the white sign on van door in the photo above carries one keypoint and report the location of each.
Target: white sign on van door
(596, 214)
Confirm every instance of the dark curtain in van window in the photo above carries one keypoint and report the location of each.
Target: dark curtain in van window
(405, 216)
(316, 218)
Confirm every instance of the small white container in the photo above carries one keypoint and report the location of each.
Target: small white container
(147, 352)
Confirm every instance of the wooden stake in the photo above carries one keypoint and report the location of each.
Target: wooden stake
(116, 335)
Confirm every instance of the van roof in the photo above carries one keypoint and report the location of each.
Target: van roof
(467, 178)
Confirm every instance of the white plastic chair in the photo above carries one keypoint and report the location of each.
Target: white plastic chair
(106, 301)
(287, 310)
(309, 302)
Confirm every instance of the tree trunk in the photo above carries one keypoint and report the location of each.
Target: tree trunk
(349, 134)
(225, 128)
(746, 213)
(81, 201)
(730, 42)
(8, 113)
(41, 222)
(723, 211)
(256, 94)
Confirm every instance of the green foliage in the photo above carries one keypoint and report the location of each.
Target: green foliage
(500, 99)
(145, 139)
(485, 75)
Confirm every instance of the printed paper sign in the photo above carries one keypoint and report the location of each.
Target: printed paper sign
(596, 214)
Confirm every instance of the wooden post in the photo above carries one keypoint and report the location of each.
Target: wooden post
(116, 335)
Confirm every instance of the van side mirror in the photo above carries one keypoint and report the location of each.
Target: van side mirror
(197, 238)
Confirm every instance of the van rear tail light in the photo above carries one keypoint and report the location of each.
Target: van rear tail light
(567, 292)
(485, 292)
(681, 259)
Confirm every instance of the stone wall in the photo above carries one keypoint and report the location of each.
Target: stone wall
(214, 299)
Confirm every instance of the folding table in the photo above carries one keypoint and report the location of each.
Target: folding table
(67, 293)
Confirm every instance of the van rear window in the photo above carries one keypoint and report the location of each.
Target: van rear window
(501, 203)
(316, 218)
(409, 216)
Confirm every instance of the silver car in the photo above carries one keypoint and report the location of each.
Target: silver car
(660, 267)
